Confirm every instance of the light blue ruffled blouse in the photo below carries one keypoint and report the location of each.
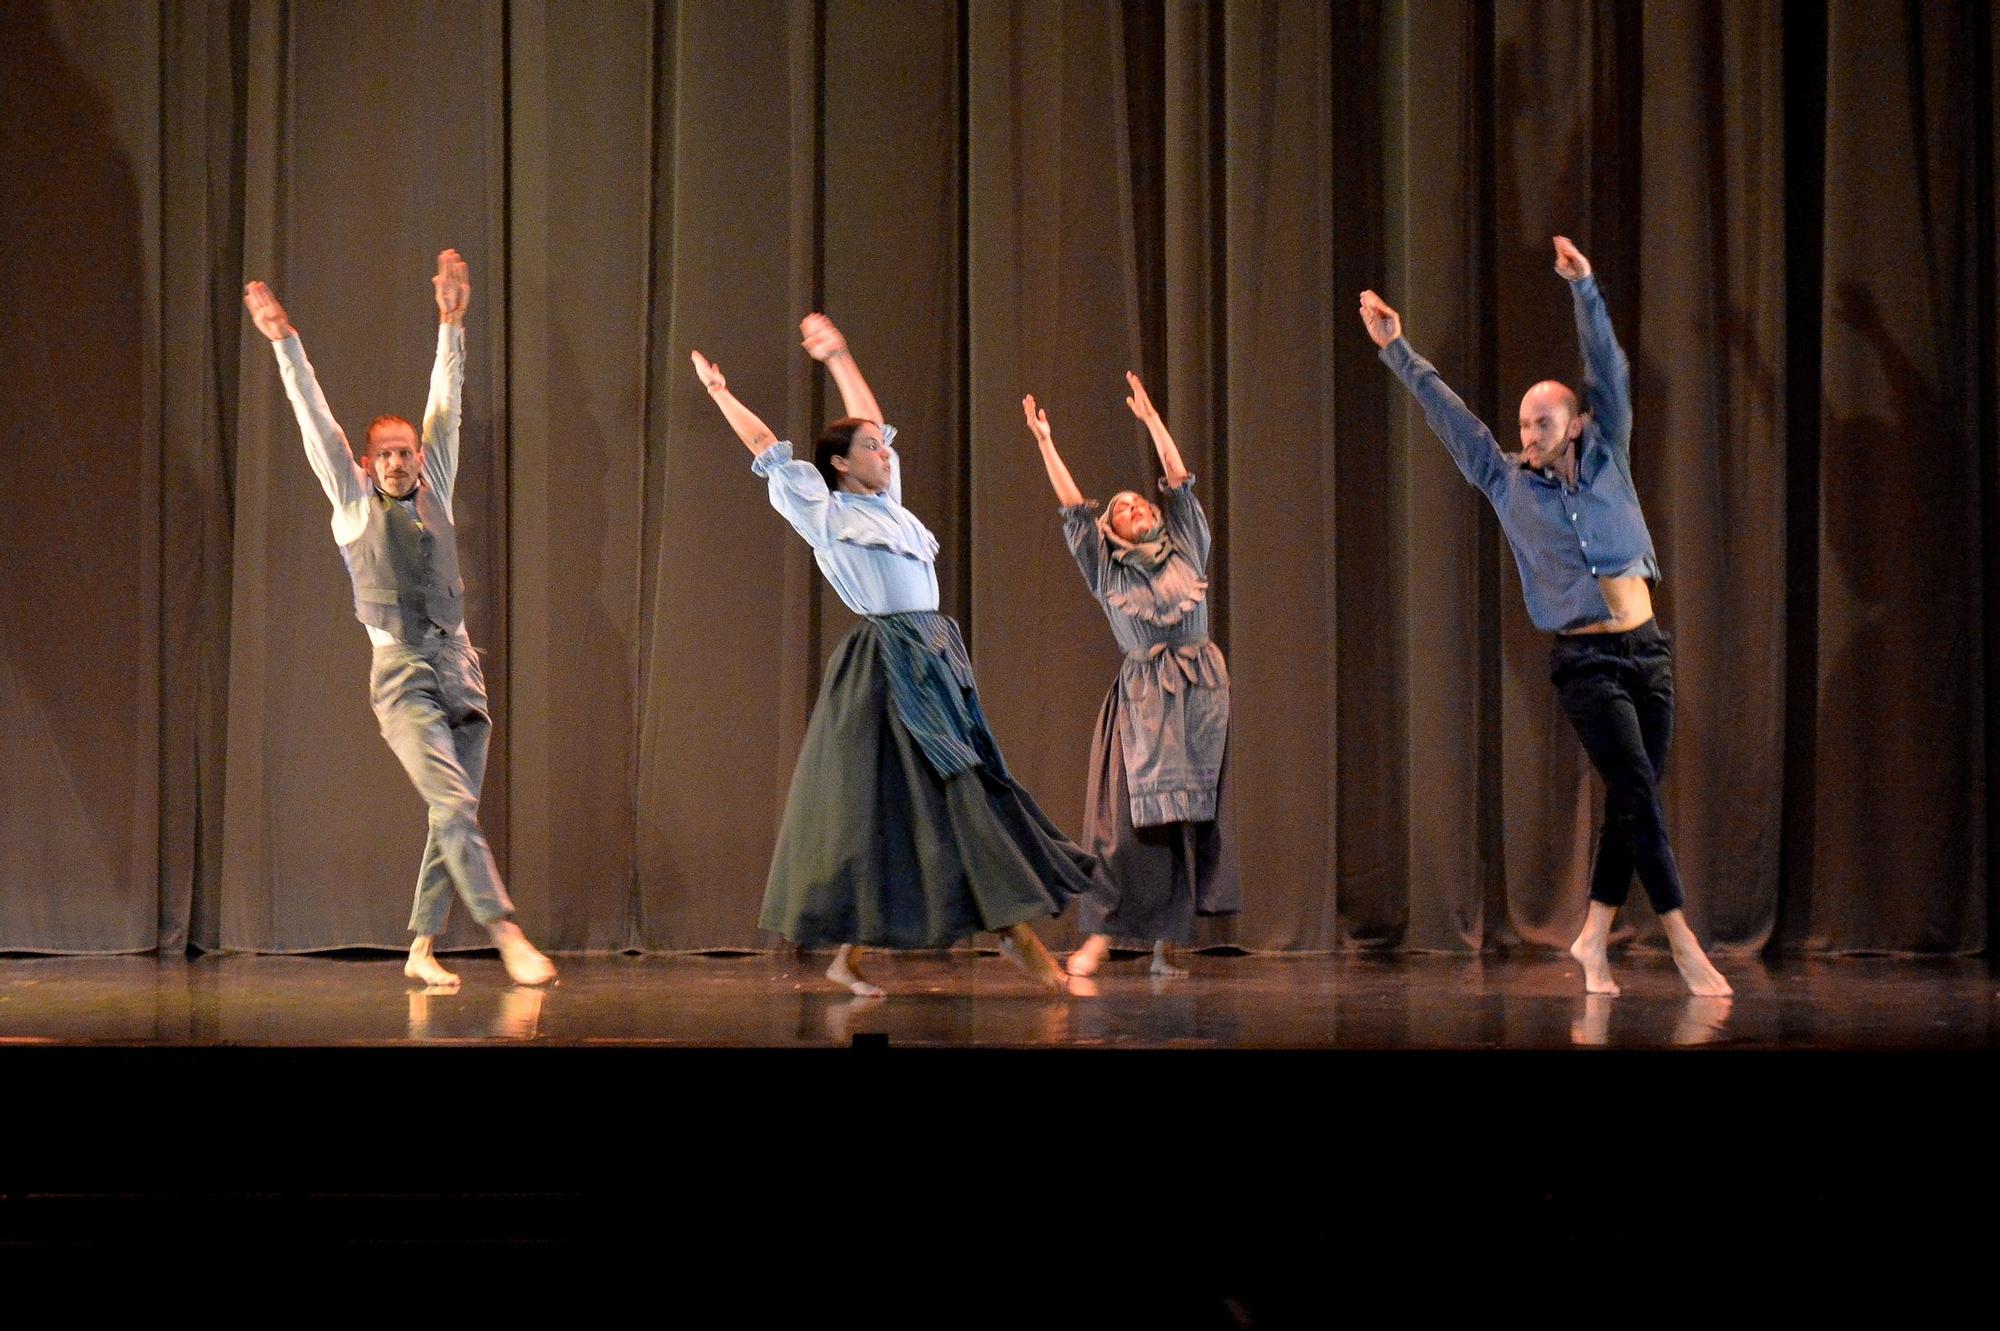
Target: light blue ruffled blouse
(878, 557)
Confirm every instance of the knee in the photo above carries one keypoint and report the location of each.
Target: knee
(1634, 802)
(454, 817)
(402, 721)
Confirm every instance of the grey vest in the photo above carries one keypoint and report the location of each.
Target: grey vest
(405, 569)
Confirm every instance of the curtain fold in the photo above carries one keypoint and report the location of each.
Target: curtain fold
(1793, 223)
(1900, 861)
(725, 691)
(1708, 388)
(80, 407)
(581, 135)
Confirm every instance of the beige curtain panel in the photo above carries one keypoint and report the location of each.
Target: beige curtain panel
(1791, 211)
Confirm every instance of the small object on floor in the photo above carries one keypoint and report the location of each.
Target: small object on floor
(1163, 962)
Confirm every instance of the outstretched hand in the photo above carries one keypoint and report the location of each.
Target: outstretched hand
(821, 339)
(708, 372)
(266, 313)
(1570, 261)
(453, 285)
(1138, 400)
(1384, 325)
(1038, 421)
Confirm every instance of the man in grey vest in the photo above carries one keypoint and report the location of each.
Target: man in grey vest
(392, 520)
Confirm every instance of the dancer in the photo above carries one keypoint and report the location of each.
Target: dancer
(392, 520)
(1568, 507)
(1154, 814)
(903, 828)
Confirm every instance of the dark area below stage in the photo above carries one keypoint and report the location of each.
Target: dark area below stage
(1268, 1128)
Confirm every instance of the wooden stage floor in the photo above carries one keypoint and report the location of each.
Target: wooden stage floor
(977, 1001)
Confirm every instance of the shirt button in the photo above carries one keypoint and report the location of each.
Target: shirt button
(1593, 570)
(1572, 517)
(1584, 544)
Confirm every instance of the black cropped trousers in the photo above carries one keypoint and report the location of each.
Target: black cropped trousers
(1618, 692)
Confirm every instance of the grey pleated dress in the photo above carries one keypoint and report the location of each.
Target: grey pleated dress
(1156, 814)
(903, 827)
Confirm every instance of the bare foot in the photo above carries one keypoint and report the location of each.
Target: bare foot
(524, 962)
(1589, 952)
(1163, 962)
(423, 965)
(1086, 959)
(1703, 979)
(1020, 946)
(843, 973)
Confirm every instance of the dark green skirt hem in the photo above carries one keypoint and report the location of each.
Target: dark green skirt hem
(877, 849)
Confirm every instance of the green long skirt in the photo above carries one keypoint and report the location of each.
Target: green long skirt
(877, 849)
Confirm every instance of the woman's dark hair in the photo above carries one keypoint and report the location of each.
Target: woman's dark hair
(833, 442)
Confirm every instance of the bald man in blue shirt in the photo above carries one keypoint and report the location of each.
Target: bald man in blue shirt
(1571, 516)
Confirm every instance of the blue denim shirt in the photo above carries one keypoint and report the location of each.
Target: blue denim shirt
(1563, 540)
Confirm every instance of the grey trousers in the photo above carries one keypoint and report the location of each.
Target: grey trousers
(431, 702)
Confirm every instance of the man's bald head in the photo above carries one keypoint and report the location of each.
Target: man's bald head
(1550, 422)
(1548, 395)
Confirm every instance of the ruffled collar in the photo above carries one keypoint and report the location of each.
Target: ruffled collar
(877, 522)
(1161, 596)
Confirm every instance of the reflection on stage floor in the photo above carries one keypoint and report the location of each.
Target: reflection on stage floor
(972, 1000)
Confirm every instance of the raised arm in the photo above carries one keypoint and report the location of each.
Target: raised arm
(446, 407)
(1607, 374)
(824, 343)
(1059, 478)
(756, 435)
(327, 449)
(1471, 445)
(1163, 442)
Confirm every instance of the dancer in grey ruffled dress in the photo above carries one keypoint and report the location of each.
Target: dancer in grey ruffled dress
(1155, 813)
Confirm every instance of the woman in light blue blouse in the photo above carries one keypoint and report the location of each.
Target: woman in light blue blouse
(1154, 812)
(903, 828)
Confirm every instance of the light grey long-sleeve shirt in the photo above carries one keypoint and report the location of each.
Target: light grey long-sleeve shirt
(347, 483)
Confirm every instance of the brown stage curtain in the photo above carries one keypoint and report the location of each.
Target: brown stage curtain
(1791, 211)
